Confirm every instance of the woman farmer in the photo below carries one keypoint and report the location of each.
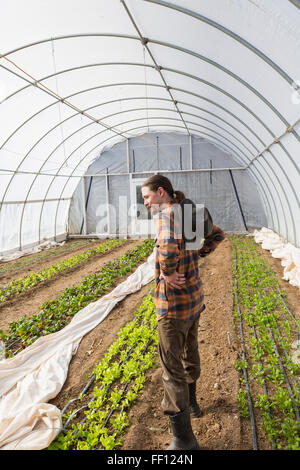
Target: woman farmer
(179, 302)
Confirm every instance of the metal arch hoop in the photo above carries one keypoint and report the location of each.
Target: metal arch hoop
(91, 137)
(231, 97)
(161, 125)
(267, 204)
(184, 90)
(222, 91)
(216, 105)
(245, 107)
(125, 111)
(230, 33)
(172, 46)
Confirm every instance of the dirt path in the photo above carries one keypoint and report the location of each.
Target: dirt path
(220, 427)
(29, 302)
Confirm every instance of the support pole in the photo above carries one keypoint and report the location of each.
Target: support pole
(238, 200)
(107, 203)
(83, 227)
(191, 152)
(127, 155)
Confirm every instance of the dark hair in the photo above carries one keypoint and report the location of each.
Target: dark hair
(156, 181)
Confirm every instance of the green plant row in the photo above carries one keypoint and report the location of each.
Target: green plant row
(101, 417)
(270, 332)
(24, 261)
(24, 284)
(57, 313)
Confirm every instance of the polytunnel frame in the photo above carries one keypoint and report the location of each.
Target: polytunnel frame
(144, 108)
(163, 171)
(196, 170)
(145, 41)
(191, 76)
(68, 157)
(113, 136)
(199, 117)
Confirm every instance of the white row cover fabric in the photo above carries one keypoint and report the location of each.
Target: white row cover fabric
(77, 76)
(36, 375)
(288, 253)
(19, 254)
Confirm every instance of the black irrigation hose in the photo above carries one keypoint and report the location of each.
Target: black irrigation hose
(262, 368)
(288, 359)
(296, 410)
(284, 351)
(252, 418)
(124, 390)
(93, 379)
(64, 429)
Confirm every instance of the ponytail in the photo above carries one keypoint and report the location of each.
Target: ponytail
(179, 196)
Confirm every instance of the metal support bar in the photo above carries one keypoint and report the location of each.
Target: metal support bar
(238, 200)
(230, 150)
(180, 158)
(127, 155)
(191, 152)
(83, 206)
(107, 203)
(84, 220)
(230, 33)
(33, 201)
(145, 42)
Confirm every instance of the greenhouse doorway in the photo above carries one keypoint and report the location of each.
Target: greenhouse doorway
(142, 223)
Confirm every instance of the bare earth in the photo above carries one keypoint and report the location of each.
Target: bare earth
(29, 302)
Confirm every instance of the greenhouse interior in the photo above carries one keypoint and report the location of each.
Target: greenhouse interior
(97, 97)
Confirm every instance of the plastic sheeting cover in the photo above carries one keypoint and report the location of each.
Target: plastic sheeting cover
(287, 252)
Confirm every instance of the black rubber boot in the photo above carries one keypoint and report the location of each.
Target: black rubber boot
(194, 407)
(183, 436)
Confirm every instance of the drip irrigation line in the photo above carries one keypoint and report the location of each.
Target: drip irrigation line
(91, 381)
(278, 290)
(288, 359)
(123, 391)
(261, 366)
(252, 418)
(296, 410)
(291, 394)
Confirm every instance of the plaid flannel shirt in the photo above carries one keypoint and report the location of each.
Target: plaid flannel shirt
(186, 302)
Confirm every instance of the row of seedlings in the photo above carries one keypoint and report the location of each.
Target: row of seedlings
(12, 266)
(269, 392)
(26, 283)
(96, 420)
(57, 313)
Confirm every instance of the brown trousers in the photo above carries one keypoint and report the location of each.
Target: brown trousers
(180, 361)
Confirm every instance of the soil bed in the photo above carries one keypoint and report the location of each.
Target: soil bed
(30, 301)
(26, 265)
